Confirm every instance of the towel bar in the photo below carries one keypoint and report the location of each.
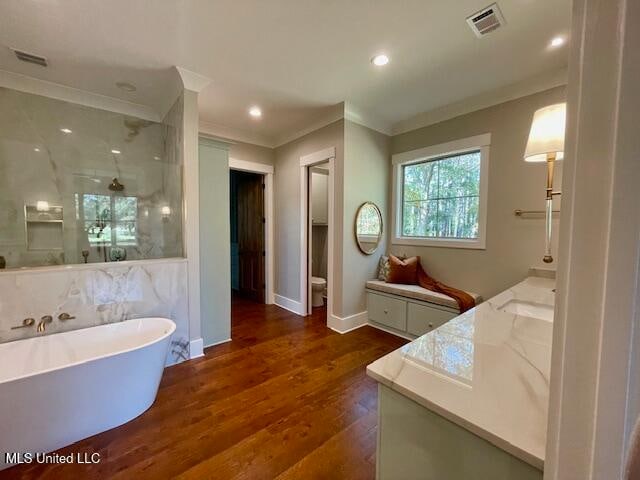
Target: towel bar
(522, 213)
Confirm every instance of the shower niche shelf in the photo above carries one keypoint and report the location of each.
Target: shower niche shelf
(44, 228)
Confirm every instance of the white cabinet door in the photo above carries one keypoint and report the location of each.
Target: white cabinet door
(319, 199)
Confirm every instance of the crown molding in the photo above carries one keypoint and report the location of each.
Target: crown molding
(333, 114)
(191, 80)
(366, 119)
(211, 129)
(36, 86)
(527, 87)
(348, 111)
(222, 132)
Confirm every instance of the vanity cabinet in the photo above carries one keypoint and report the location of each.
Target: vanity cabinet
(414, 442)
(404, 315)
(463, 402)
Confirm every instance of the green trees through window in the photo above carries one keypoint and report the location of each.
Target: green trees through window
(441, 197)
(110, 220)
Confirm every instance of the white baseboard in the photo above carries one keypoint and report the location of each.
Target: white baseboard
(288, 304)
(218, 343)
(347, 324)
(196, 348)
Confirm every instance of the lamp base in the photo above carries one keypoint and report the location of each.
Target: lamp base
(547, 259)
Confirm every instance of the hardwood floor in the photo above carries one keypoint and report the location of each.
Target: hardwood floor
(287, 398)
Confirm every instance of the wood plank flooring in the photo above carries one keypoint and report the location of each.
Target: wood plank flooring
(287, 399)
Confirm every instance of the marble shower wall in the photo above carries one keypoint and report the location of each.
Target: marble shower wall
(40, 162)
(96, 295)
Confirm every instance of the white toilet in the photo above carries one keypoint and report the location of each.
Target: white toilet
(318, 286)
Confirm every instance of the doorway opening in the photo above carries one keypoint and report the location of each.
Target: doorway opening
(248, 248)
(316, 247)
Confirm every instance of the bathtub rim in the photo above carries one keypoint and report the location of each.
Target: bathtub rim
(172, 329)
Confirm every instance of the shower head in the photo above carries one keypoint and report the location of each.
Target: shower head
(116, 186)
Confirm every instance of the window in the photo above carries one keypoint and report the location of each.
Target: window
(440, 194)
(109, 220)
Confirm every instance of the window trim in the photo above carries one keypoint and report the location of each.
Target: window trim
(399, 160)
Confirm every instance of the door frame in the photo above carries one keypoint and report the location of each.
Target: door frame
(267, 171)
(594, 392)
(306, 162)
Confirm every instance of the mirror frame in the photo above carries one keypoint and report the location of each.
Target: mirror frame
(355, 227)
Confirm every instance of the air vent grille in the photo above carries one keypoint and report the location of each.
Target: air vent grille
(30, 58)
(486, 20)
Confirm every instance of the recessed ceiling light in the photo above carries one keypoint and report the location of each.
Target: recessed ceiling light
(126, 86)
(380, 60)
(36, 149)
(255, 112)
(65, 130)
(117, 152)
(557, 42)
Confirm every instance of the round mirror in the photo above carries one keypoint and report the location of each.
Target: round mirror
(368, 227)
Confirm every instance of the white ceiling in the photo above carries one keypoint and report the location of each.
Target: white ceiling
(294, 58)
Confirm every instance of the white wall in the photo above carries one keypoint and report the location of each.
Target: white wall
(362, 169)
(287, 206)
(513, 244)
(366, 179)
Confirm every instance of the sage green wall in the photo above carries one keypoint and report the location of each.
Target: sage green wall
(513, 244)
(287, 208)
(215, 253)
(366, 178)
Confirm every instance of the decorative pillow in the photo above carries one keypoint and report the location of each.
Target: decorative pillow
(403, 271)
(383, 268)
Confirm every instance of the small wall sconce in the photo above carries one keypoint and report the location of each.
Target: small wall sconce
(546, 144)
(166, 212)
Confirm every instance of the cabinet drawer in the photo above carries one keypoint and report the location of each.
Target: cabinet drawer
(388, 311)
(422, 319)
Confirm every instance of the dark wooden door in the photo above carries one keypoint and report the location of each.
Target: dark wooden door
(251, 236)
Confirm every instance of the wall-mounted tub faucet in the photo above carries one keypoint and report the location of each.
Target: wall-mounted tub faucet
(43, 323)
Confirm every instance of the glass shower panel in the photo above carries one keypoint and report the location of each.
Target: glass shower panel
(82, 185)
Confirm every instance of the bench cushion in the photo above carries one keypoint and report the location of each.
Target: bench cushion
(417, 293)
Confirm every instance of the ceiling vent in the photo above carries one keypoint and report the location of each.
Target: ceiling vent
(30, 58)
(486, 20)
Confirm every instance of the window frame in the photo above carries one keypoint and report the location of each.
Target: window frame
(480, 143)
(113, 223)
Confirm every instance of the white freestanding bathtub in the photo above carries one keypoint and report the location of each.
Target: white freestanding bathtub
(61, 388)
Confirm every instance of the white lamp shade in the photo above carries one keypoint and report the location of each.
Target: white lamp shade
(547, 133)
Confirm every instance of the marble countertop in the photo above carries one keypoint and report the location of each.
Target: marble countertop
(486, 370)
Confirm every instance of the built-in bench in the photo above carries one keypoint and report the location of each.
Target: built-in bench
(409, 310)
